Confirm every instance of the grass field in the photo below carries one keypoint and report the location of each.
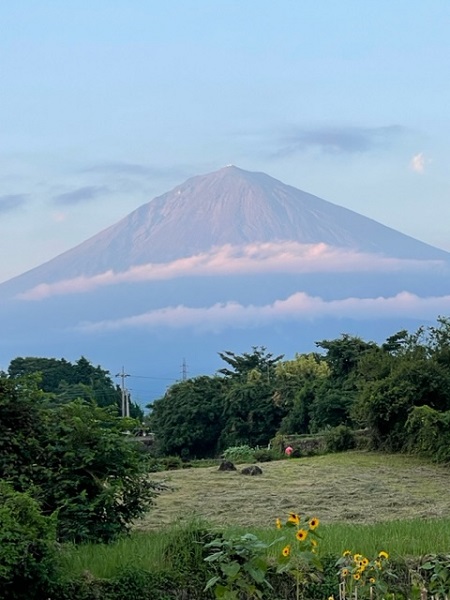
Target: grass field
(352, 487)
(365, 502)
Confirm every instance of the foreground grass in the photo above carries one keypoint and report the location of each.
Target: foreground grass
(365, 501)
(146, 550)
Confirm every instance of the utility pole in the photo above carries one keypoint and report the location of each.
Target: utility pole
(125, 401)
(184, 370)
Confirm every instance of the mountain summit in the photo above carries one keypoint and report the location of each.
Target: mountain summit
(227, 260)
(228, 206)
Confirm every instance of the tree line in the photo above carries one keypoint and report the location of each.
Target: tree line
(398, 390)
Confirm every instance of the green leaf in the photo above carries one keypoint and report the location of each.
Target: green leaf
(211, 582)
(257, 574)
(231, 569)
(214, 557)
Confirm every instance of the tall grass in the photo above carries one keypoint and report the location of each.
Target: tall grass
(414, 537)
(148, 550)
(140, 550)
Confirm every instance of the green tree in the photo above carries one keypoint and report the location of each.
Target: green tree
(241, 364)
(74, 459)
(297, 384)
(251, 415)
(28, 558)
(64, 381)
(188, 419)
(393, 382)
(344, 354)
(52, 370)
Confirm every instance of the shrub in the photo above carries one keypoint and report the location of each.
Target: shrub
(75, 460)
(240, 567)
(28, 564)
(237, 454)
(266, 455)
(340, 439)
(165, 463)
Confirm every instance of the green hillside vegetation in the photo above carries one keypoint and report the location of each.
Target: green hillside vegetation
(399, 391)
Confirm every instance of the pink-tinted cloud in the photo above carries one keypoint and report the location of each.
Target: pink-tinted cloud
(273, 257)
(298, 307)
(419, 162)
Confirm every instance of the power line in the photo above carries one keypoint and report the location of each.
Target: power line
(148, 377)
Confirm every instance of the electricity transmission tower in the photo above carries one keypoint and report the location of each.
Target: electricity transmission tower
(184, 370)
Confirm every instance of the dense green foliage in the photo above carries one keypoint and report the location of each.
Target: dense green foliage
(63, 381)
(399, 391)
(27, 546)
(74, 459)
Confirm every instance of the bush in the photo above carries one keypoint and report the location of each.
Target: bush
(266, 455)
(28, 561)
(75, 459)
(340, 439)
(239, 454)
(185, 554)
(166, 463)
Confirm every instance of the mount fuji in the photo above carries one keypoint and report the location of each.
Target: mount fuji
(224, 261)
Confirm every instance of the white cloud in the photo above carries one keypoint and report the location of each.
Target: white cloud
(270, 257)
(298, 307)
(418, 163)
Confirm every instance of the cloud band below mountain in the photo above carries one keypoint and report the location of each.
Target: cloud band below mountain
(298, 307)
(281, 257)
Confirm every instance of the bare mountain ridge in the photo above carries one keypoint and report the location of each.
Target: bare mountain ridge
(229, 206)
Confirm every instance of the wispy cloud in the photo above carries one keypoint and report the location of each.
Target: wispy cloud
(281, 257)
(12, 202)
(298, 307)
(81, 194)
(336, 140)
(418, 163)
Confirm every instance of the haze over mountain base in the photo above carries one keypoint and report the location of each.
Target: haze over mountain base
(225, 261)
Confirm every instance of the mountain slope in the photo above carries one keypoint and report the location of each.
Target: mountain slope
(229, 206)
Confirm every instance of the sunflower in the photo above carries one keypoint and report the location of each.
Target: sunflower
(286, 551)
(365, 561)
(357, 557)
(278, 524)
(344, 572)
(314, 543)
(383, 554)
(313, 523)
(356, 576)
(301, 535)
(347, 553)
(372, 580)
(294, 518)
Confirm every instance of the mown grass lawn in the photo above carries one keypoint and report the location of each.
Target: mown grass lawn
(352, 487)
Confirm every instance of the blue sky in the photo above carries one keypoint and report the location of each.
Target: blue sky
(105, 104)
